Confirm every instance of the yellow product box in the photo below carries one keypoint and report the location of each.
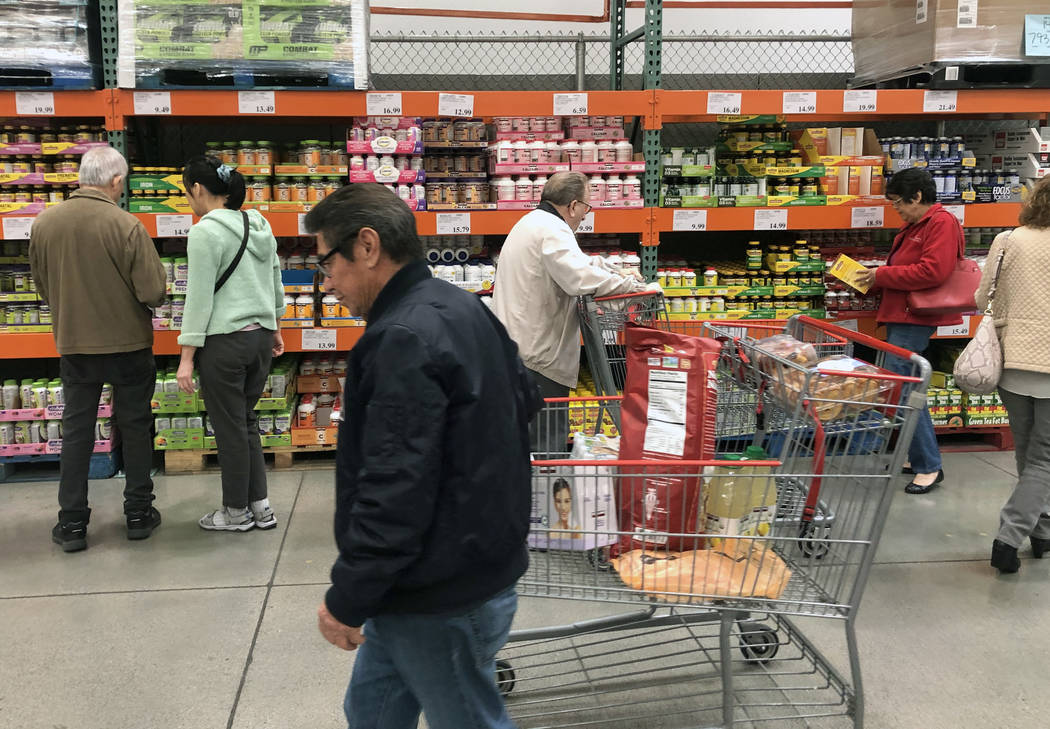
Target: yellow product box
(845, 269)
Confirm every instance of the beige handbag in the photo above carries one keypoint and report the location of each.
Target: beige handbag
(980, 365)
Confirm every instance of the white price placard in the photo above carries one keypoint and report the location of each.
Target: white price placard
(720, 102)
(800, 102)
(456, 104)
(570, 105)
(873, 217)
(940, 101)
(34, 103)
(17, 228)
(959, 211)
(587, 224)
(174, 226)
(966, 14)
(453, 223)
(921, 7)
(383, 104)
(691, 220)
(319, 340)
(152, 103)
(302, 224)
(256, 102)
(955, 330)
(860, 101)
(774, 219)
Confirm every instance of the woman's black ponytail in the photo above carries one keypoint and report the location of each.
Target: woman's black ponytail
(216, 178)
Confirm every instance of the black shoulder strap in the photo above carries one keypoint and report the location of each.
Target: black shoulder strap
(236, 259)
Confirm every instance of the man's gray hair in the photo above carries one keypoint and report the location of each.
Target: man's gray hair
(100, 165)
(564, 187)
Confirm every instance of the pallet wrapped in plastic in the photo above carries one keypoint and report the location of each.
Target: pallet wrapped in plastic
(170, 43)
(47, 44)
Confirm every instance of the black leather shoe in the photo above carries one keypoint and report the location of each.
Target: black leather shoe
(1004, 557)
(1039, 546)
(70, 535)
(914, 488)
(142, 523)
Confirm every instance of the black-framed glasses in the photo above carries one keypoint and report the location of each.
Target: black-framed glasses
(322, 263)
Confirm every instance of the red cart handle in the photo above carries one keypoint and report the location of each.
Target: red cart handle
(865, 339)
(634, 295)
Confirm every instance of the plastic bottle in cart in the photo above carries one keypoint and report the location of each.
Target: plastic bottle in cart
(727, 502)
(763, 492)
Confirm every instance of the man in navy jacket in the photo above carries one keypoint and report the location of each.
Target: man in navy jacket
(433, 480)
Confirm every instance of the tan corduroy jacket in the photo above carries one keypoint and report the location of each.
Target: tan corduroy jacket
(1021, 309)
(98, 269)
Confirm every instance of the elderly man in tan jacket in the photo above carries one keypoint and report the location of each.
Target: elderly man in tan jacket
(98, 269)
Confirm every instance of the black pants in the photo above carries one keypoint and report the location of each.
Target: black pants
(132, 375)
(549, 430)
(233, 370)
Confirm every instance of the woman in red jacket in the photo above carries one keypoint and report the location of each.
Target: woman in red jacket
(924, 254)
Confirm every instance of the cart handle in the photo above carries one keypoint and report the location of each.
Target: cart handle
(633, 295)
(669, 463)
(865, 339)
(596, 398)
(889, 376)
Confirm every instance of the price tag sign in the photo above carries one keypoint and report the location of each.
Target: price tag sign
(34, 103)
(940, 101)
(719, 102)
(302, 224)
(959, 211)
(873, 217)
(17, 228)
(860, 101)
(570, 105)
(456, 105)
(691, 220)
(383, 104)
(955, 330)
(453, 223)
(319, 340)
(800, 102)
(256, 102)
(152, 103)
(587, 224)
(174, 226)
(775, 219)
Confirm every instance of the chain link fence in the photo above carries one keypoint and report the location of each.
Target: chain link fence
(501, 62)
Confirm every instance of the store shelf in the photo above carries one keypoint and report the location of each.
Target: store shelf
(680, 106)
(85, 104)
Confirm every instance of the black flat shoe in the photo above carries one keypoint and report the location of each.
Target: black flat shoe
(1039, 546)
(1004, 558)
(914, 488)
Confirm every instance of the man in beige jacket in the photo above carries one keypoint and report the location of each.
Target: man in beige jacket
(98, 270)
(541, 272)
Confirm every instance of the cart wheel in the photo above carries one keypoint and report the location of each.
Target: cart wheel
(505, 677)
(758, 642)
(810, 543)
(599, 559)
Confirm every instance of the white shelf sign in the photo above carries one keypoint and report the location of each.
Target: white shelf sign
(570, 105)
(719, 102)
(873, 217)
(800, 102)
(302, 224)
(456, 105)
(17, 228)
(920, 11)
(319, 340)
(34, 103)
(256, 102)
(940, 101)
(587, 224)
(860, 101)
(152, 103)
(966, 14)
(690, 220)
(174, 226)
(453, 223)
(959, 211)
(383, 104)
(773, 219)
(955, 330)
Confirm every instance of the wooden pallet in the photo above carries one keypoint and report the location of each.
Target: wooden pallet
(284, 457)
(972, 438)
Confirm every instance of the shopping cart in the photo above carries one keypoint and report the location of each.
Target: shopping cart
(713, 639)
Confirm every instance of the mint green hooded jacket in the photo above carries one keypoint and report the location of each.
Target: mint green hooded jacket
(253, 294)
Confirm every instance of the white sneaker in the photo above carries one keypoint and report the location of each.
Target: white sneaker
(222, 520)
(264, 518)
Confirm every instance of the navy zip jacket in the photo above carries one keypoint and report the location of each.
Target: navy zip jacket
(433, 481)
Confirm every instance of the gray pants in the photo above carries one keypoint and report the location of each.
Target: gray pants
(233, 370)
(549, 430)
(1024, 513)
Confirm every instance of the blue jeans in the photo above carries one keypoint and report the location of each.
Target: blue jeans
(923, 453)
(442, 665)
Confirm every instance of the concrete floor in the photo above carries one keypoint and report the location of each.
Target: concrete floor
(198, 630)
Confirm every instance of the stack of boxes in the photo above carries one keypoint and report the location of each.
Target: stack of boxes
(952, 407)
(320, 382)
(31, 418)
(1021, 156)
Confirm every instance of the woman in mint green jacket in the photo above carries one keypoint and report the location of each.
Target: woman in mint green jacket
(230, 327)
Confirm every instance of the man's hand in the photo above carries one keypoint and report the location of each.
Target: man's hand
(185, 376)
(339, 635)
(864, 279)
(278, 344)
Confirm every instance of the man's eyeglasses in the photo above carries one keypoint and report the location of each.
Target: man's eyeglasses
(322, 264)
(897, 202)
(588, 205)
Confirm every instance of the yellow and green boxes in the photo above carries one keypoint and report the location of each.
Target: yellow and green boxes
(951, 406)
(181, 420)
